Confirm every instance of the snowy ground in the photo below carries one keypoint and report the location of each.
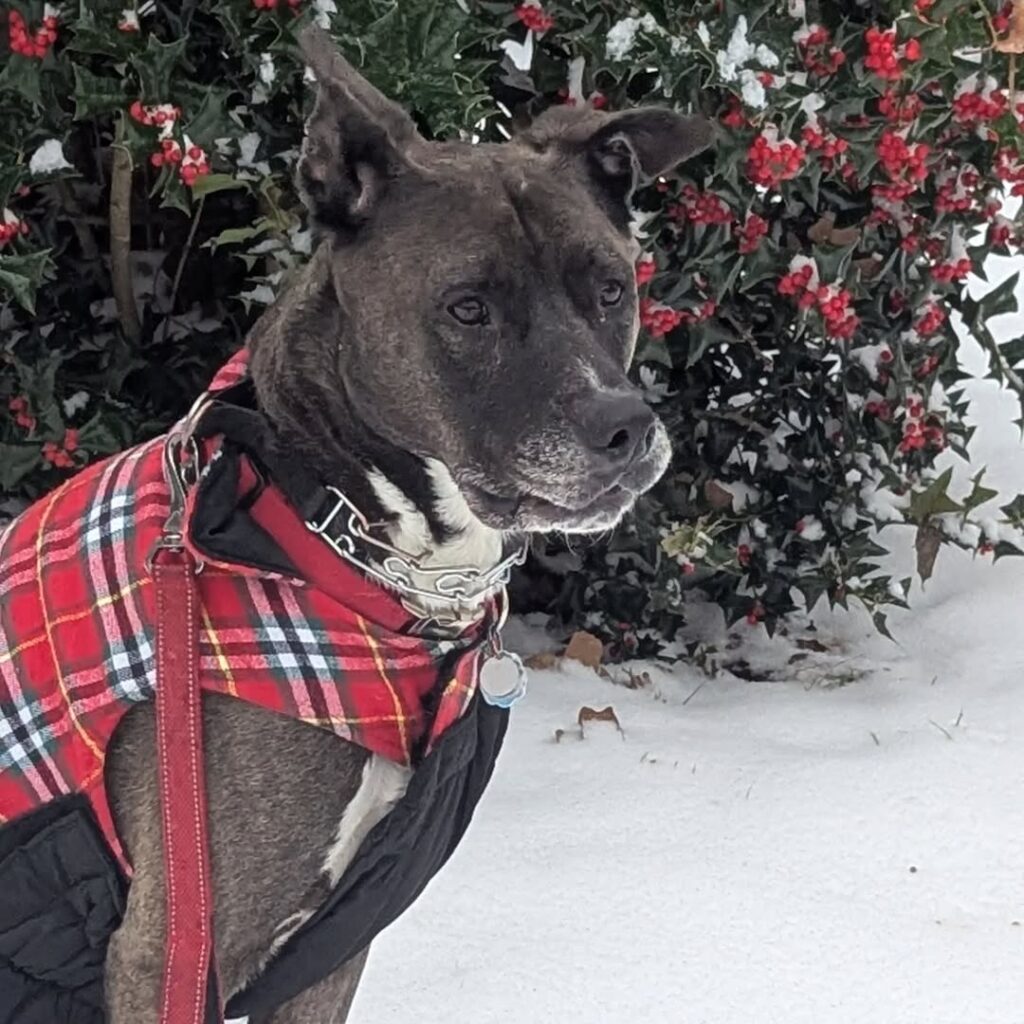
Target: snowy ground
(766, 852)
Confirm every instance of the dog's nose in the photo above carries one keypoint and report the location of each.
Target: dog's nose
(618, 427)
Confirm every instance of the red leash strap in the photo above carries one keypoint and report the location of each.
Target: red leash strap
(187, 982)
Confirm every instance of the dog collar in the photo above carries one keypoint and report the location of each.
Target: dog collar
(346, 531)
(446, 598)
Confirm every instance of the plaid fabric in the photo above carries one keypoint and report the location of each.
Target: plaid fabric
(77, 641)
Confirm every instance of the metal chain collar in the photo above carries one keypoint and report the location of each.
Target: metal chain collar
(456, 587)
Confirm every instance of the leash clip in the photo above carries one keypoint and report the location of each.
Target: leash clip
(172, 533)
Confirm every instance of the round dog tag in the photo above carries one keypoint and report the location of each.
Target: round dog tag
(502, 679)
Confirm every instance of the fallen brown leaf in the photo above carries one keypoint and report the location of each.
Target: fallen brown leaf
(869, 267)
(587, 714)
(844, 236)
(927, 543)
(820, 230)
(544, 659)
(716, 495)
(824, 231)
(585, 648)
(635, 680)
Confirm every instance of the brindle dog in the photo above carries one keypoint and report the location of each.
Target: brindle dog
(454, 358)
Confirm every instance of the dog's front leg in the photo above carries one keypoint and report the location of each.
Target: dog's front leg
(277, 790)
(135, 957)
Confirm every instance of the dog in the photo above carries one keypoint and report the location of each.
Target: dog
(452, 363)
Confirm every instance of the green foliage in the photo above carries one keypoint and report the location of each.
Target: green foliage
(794, 426)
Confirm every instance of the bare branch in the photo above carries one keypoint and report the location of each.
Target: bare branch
(121, 242)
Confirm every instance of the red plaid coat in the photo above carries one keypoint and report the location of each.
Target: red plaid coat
(77, 638)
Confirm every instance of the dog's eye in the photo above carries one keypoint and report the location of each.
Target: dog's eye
(471, 312)
(611, 293)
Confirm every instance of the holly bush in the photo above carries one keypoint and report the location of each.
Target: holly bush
(803, 284)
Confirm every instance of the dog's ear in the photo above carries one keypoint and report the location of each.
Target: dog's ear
(623, 150)
(634, 147)
(356, 138)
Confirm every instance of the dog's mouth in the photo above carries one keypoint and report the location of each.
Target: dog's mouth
(532, 513)
(534, 502)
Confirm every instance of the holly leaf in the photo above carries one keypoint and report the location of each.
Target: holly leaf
(235, 236)
(10, 177)
(933, 500)
(88, 37)
(157, 66)
(833, 260)
(97, 94)
(211, 120)
(1014, 511)
(20, 277)
(1004, 549)
(761, 265)
(98, 436)
(979, 494)
(22, 76)
(881, 624)
(17, 461)
(210, 183)
(1002, 298)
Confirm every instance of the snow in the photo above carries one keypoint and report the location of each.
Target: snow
(622, 35)
(268, 70)
(521, 54)
(837, 841)
(739, 51)
(322, 12)
(48, 158)
(751, 89)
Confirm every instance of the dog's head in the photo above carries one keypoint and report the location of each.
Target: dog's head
(488, 295)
